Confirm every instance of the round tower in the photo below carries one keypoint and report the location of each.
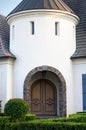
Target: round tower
(42, 38)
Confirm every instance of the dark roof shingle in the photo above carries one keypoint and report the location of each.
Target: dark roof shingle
(41, 4)
(79, 7)
(4, 39)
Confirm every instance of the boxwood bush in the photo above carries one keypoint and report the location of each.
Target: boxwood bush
(74, 122)
(45, 126)
(16, 108)
(79, 118)
(71, 119)
(3, 121)
(78, 114)
(29, 117)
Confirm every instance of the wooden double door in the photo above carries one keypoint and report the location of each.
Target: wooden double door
(43, 98)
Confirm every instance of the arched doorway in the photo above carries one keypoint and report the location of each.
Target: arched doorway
(51, 74)
(43, 98)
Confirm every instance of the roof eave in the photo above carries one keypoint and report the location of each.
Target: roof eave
(77, 57)
(41, 11)
(6, 57)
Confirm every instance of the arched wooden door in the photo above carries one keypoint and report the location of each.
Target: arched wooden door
(43, 98)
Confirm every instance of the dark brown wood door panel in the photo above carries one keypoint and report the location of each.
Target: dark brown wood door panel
(43, 98)
(36, 98)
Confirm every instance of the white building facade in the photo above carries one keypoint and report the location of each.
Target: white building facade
(43, 73)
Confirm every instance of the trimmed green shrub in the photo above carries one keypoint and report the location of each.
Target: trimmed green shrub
(30, 117)
(16, 109)
(74, 122)
(59, 119)
(73, 118)
(6, 119)
(45, 126)
(79, 117)
(3, 121)
(78, 114)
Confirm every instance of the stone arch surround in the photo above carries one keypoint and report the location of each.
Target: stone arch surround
(62, 87)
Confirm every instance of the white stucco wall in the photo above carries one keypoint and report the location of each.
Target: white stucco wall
(79, 69)
(43, 48)
(5, 80)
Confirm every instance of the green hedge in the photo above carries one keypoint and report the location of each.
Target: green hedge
(71, 119)
(28, 117)
(6, 122)
(74, 122)
(3, 121)
(79, 117)
(45, 126)
(79, 114)
(7, 119)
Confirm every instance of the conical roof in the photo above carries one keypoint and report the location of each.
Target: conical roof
(41, 4)
(4, 38)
